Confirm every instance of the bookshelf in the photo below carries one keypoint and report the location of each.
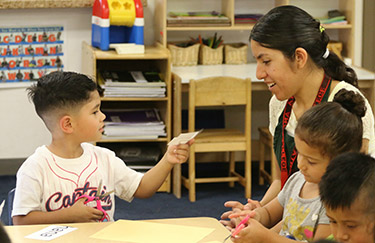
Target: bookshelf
(342, 33)
(155, 58)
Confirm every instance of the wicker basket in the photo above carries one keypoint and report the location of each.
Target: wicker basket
(184, 56)
(335, 47)
(235, 53)
(209, 56)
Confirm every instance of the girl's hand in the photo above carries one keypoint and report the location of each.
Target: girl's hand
(253, 233)
(252, 204)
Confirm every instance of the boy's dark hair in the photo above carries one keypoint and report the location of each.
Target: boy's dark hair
(58, 90)
(286, 28)
(334, 127)
(348, 177)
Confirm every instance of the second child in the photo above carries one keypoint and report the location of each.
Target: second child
(347, 191)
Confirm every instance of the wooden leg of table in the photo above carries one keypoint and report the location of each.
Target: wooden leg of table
(176, 80)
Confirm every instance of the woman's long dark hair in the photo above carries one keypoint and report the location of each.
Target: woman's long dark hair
(288, 27)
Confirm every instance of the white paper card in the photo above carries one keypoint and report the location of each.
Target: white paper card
(51, 232)
(1, 207)
(183, 138)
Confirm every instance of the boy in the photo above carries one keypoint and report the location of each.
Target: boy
(52, 179)
(347, 191)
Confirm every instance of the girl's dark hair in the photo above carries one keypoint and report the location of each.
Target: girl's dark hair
(349, 176)
(286, 28)
(334, 127)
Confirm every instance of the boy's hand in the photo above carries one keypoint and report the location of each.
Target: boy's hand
(82, 213)
(178, 154)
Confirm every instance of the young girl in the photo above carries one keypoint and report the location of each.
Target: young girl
(321, 134)
(347, 191)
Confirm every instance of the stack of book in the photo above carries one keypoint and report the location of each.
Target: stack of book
(132, 84)
(246, 18)
(133, 124)
(193, 19)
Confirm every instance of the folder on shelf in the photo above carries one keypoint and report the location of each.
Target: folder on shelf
(133, 124)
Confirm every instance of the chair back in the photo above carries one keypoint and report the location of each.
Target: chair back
(219, 91)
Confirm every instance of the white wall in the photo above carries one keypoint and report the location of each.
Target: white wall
(22, 130)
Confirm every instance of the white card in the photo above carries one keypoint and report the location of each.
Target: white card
(51, 232)
(1, 207)
(184, 138)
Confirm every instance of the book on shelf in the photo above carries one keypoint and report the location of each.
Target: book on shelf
(131, 79)
(132, 84)
(247, 18)
(133, 124)
(212, 18)
(132, 116)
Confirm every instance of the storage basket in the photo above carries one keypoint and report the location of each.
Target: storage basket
(335, 47)
(184, 56)
(209, 56)
(235, 53)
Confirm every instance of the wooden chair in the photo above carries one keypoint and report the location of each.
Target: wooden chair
(266, 141)
(220, 91)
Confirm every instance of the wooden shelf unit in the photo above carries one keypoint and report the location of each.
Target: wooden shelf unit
(155, 57)
(345, 32)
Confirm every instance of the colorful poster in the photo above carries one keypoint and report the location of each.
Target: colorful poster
(27, 53)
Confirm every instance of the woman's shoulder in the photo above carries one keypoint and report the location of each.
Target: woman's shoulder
(339, 85)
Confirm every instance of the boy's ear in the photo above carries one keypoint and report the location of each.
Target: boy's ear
(301, 57)
(66, 124)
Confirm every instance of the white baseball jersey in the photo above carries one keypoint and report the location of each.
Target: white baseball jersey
(46, 182)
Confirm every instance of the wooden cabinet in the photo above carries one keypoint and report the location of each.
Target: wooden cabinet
(317, 8)
(155, 58)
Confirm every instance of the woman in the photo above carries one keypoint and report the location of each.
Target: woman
(290, 48)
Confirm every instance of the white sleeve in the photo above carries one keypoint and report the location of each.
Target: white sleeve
(126, 180)
(275, 109)
(28, 194)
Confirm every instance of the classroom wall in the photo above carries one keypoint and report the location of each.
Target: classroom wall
(22, 130)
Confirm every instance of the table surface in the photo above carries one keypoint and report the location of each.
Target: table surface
(85, 230)
(240, 71)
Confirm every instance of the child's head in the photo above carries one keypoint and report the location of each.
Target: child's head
(329, 129)
(61, 93)
(347, 191)
(286, 28)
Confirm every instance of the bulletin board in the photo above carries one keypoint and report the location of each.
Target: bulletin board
(28, 53)
(17, 4)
